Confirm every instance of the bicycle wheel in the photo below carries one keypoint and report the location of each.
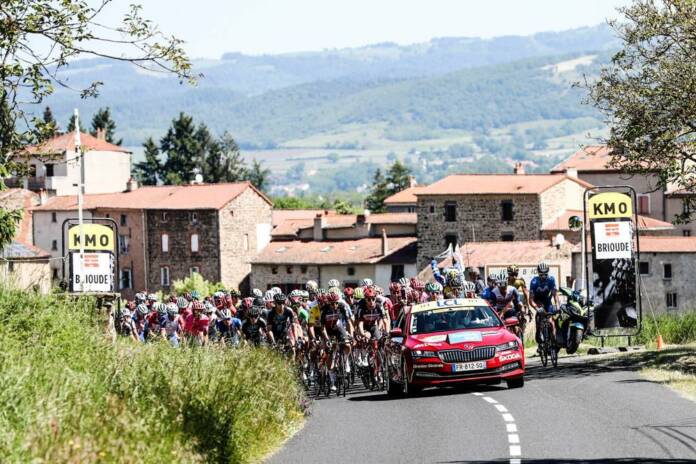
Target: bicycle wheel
(383, 368)
(544, 345)
(553, 353)
(339, 368)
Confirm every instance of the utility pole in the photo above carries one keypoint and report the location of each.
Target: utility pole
(80, 189)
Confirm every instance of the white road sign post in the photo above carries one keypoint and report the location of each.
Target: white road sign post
(93, 272)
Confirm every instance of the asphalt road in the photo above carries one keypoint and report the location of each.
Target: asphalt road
(576, 413)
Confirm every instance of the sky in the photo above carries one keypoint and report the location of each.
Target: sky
(213, 27)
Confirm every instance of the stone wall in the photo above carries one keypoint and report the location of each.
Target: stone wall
(479, 218)
(245, 229)
(265, 276)
(565, 195)
(180, 226)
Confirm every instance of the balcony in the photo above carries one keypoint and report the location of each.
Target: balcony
(31, 183)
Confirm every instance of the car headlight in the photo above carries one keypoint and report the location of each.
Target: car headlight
(507, 346)
(424, 354)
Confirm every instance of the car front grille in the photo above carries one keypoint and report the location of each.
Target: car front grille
(477, 354)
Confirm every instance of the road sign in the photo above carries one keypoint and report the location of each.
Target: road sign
(610, 205)
(98, 237)
(613, 240)
(92, 272)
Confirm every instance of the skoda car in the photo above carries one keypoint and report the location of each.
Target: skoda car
(447, 342)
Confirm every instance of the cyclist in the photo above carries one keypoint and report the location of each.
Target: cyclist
(487, 293)
(170, 327)
(336, 322)
(475, 277)
(228, 327)
(507, 299)
(348, 294)
(196, 324)
(543, 295)
(280, 322)
(434, 291)
(140, 321)
(518, 282)
(254, 328)
(126, 324)
(371, 316)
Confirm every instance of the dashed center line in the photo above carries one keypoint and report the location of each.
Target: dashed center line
(513, 436)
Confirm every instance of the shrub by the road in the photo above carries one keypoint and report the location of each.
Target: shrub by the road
(67, 394)
(677, 329)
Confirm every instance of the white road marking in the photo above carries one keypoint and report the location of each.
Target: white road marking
(511, 427)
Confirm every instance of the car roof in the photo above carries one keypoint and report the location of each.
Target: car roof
(453, 302)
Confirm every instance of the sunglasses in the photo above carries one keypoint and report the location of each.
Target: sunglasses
(371, 299)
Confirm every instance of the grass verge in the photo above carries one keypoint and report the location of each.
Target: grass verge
(69, 395)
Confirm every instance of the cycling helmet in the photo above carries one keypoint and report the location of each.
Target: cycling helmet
(182, 302)
(404, 282)
(359, 293)
(417, 284)
(336, 290)
(140, 298)
(279, 298)
(433, 287)
(234, 293)
(255, 311)
(394, 288)
(502, 280)
(304, 294)
(333, 297)
(276, 290)
(473, 270)
(469, 287)
(334, 283)
(161, 308)
(208, 307)
(268, 296)
(256, 293)
(225, 314)
(247, 302)
(172, 309)
(142, 309)
(152, 297)
(543, 268)
(296, 294)
(311, 286)
(195, 295)
(379, 290)
(197, 305)
(513, 269)
(370, 292)
(348, 292)
(366, 283)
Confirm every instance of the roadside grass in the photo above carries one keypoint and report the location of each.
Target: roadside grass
(67, 394)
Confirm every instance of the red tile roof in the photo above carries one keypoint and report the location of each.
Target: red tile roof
(587, 159)
(644, 222)
(481, 184)
(66, 142)
(281, 215)
(203, 196)
(407, 196)
(291, 227)
(361, 251)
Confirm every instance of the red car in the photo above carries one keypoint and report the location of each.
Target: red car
(448, 342)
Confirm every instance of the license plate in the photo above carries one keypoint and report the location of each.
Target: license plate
(471, 366)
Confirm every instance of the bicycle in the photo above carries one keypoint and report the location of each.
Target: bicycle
(546, 342)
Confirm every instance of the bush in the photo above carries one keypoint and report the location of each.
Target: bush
(69, 395)
(676, 329)
(196, 282)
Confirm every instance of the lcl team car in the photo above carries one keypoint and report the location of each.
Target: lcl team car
(447, 342)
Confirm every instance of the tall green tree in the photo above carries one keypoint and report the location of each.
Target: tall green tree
(258, 175)
(224, 162)
(39, 38)
(71, 125)
(379, 191)
(102, 121)
(51, 128)
(398, 177)
(148, 172)
(648, 94)
(182, 147)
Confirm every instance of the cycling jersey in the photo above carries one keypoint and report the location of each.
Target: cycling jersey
(503, 300)
(314, 314)
(370, 317)
(487, 294)
(279, 323)
(253, 330)
(334, 319)
(195, 326)
(542, 290)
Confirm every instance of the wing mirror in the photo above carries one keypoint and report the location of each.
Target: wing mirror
(575, 223)
(396, 332)
(511, 322)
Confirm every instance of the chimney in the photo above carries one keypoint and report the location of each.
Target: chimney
(131, 185)
(42, 197)
(101, 134)
(519, 169)
(412, 181)
(572, 172)
(319, 223)
(385, 243)
(360, 220)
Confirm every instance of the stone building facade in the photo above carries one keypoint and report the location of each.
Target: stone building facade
(486, 208)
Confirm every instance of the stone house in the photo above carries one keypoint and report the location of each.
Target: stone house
(667, 272)
(25, 267)
(591, 164)
(53, 166)
(17, 198)
(329, 225)
(290, 264)
(467, 208)
(404, 201)
(167, 232)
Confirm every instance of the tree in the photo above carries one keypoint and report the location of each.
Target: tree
(398, 177)
(258, 175)
(149, 171)
(50, 128)
(648, 94)
(102, 121)
(378, 193)
(71, 125)
(38, 39)
(181, 145)
(232, 167)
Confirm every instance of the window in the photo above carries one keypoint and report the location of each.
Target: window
(55, 273)
(123, 244)
(686, 233)
(507, 237)
(194, 270)
(194, 218)
(411, 209)
(288, 269)
(49, 170)
(32, 170)
(54, 217)
(451, 239)
(10, 266)
(450, 211)
(246, 242)
(303, 269)
(667, 270)
(165, 243)
(671, 300)
(643, 203)
(432, 209)
(397, 272)
(507, 213)
(194, 243)
(54, 245)
(165, 217)
(350, 271)
(124, 220)
(125, 281)
(274, 270)
(164, 276)
(644, 268)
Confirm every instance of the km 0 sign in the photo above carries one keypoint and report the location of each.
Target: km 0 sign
(98, 237)
(610, 205)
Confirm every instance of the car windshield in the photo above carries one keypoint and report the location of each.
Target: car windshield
(453, 318)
